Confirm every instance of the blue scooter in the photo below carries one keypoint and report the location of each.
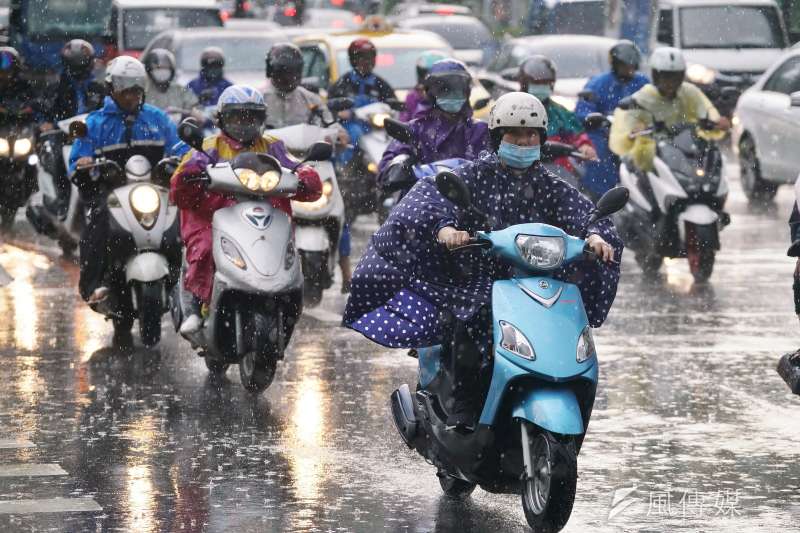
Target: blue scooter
(543, 380)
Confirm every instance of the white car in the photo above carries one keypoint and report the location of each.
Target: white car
(766, 126)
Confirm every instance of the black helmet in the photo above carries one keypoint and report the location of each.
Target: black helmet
(284, 57)
(537, 68)
(626, 52)
(212, 56)
(77, 57)
(9, 59)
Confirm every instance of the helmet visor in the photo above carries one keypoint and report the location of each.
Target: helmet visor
(243, 123)
(449, 85)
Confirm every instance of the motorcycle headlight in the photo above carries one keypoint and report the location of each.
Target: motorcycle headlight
(229, 250)
(701, 74)
(585, 347)
(322, 201)
(22, 147)
(514, 341)
(145, 202)
(254, 181)
(4, 147)
(378, 119)
(545, 253)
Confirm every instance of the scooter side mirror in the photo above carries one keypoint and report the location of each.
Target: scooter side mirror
(398, 130)
(453, 188)
(189, 132)
(510, 74)
(319, 151)
(611, 202)
(481, 104)
(553, 150)
(340, 104)
(78, 130)
(594, 121)
(628, 104)
(311, 84)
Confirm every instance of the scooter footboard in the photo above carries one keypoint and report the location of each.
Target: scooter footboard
(552, 407)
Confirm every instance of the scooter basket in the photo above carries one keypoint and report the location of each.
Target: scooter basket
(789, 370)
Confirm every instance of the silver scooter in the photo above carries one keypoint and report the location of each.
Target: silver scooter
(318, 224)
(256, 297)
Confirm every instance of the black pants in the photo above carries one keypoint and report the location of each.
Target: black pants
(469, 357)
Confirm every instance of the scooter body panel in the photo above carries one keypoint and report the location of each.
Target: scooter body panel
(553, 408)
(145, 239)
(146, 267)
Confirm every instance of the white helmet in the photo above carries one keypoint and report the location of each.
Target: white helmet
(667, 59)
(125, 72)
(518, 110)
(138, 168)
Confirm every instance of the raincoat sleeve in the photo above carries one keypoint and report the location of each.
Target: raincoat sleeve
(394, 149)
(173, 145)
(193, 194)
(385, 90)
(640, 149)
(310, 185)
(585, 107)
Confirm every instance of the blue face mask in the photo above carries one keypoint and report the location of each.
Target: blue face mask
(450, 105)
(542, 92)
(519, 157)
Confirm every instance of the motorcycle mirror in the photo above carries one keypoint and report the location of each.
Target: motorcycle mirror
(398, 130)
(319, 151)
(594, 121)
(453, 188)
(311, 84)
(482, 103)
(189, 132)
(78, 130)
(611, 202)
(510, 74)
(553, 150)
(628, 104)
(340, 104)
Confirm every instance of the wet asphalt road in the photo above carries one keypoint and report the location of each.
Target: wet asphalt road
(690, 415)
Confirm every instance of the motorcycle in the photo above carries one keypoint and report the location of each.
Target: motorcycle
(676, 210)
(18, 161)
(57, 214)
(256, 297)
(318, 224)
(144, 259)
(542, 387)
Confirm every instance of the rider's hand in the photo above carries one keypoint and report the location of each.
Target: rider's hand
(84, 162)
(601, 248)
(724, 123)
(342, 138)
(452, 238)
(345, 115)
(46, 126)
(588, 152)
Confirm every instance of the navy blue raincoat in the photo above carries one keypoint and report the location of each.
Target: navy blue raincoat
(406, 284)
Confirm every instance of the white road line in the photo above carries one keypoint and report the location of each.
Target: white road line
(6, 444)
(322, 315)
(52, 505)
(32, 469)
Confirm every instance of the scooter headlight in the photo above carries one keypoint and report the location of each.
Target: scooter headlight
(22, 147)
(378, 119)
(230, 251)
(545, 253)
(5, 149)
(145, 202)
(322, 201)
(514, 341)
(585, 347)
(254, 181)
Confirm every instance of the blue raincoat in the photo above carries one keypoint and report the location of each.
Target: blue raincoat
(406, 283)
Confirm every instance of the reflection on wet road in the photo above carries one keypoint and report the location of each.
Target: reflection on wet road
(690, 415)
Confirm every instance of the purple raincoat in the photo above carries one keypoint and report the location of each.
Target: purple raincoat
(414, 100)
(406, 283)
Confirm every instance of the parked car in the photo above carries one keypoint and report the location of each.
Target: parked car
(468, 36)
(577, 58)
(766, 126)
(244, 49)
(135, 22)
(726, 43)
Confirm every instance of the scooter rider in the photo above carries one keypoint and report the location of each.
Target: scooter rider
(604, 92)
(13, 88)
(123, 119)
(669, 100)
(211, 81)
(161, 89)
(241, 115)
(408, 291)
(361, 83)
(444, 127)
(537, 76)
(416, 96)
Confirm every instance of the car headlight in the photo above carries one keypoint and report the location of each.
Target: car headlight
(22, 147)
(254, 181)
(145, 202)
(514, 341)
(541, 252)
(322, 201)
(229, 250)
(585, 347)
(4, 147)
(701, 74)
(378, 119)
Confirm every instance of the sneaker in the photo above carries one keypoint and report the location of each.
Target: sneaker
(98, 295)
(191, 325)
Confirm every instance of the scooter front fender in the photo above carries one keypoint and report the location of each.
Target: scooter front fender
(553, 408)
(311, 239)
(146, 267)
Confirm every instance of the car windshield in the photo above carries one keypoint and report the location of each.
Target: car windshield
(141, 25)
(730, 27)
(398, 66)
(573, 60)
(87, 18)
(460, 35)
(240, 53)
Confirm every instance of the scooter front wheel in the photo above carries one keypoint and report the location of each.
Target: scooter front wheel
(550, 481)
(257, 366)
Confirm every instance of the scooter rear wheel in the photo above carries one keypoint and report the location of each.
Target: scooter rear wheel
(548, 496)
(454, 488)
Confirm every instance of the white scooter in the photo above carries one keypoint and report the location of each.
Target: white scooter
(318, 224)
(256, 297)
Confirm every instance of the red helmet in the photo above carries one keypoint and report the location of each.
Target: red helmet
(361, 48)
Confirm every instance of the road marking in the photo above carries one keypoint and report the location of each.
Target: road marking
(52, 505)
(30, 470)
(322, 315)
(6, 444)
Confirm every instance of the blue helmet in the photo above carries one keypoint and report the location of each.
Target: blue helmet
(248, 106)
(426, 60)
(240, 96)
(448, 76)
